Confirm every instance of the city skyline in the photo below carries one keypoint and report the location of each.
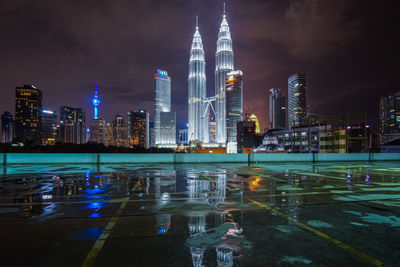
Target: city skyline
(58, 58)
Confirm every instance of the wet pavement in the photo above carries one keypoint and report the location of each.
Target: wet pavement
(325, 214)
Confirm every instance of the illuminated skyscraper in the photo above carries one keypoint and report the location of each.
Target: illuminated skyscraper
(183, 136)
(167, 129)
(7, 127)
(277, 109)
(95, 103)
(162, 84)
(138, 129)
(223, 65)
(28, 114)
(254, 118)
(197, 119)
(49, 126)
(119, 132)
(234, 107)
(389, 114)
(297, 100)
(72, 125)
(98, 131)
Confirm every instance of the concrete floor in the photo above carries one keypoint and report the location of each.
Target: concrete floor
(327, 214)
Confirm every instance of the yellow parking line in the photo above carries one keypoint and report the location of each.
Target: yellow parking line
(101, 240)
(338, 243)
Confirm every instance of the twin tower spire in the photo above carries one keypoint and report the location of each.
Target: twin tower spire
(198, 103)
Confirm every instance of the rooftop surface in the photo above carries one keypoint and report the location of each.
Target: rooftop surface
(319, 214)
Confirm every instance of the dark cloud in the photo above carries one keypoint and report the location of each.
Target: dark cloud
(347, 48)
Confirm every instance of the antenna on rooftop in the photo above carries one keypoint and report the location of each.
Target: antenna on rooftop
(224, 8)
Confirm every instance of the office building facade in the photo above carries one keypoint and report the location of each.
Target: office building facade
(138, 129)
(49, 127)
(28, 114)
(277, 109)
(389, 113)
(234, 107)
(7, 127)
(246, 133)
(98, 131)
(297, 100)
(162, 85)
(119, 133)
(72, 125)
(167, 129)
(183, 136)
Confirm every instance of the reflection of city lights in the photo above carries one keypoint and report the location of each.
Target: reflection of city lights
(253, 185)
(163, 229)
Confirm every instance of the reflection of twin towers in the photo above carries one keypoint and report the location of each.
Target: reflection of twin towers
(199, 105)
(201, 191)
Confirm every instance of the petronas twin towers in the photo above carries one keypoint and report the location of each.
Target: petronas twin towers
(199, 104)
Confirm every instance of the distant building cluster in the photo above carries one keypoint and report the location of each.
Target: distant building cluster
(216, 124)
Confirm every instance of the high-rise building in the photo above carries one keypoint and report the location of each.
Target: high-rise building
(49, 127)
(28, 114)
(167, 129)
(183, 136)
(277, 109)
(109, 134)
(234, 107)
(254, 118)
(223, 64)
(389, 118)
(389, 115)
(98, 131)
(152, 135)
(162, 85)
(297, 100)
(119, 135)
(72, 125)
(138, 129)
(7, 127)
(197, 118)
(246, 133)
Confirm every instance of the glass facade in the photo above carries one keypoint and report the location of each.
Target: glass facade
(49, 127)
(138, 129)
(162, 85)
(234, 107)
(98, 132)
(28, 114)
(277, 109)
(119, 132)
(389, 114)
(72, 125)
(7, 127)
(167, 128)
(183, 136)
(297, 100)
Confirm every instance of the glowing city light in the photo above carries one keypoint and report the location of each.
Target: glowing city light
(47, 111)
(96, 103)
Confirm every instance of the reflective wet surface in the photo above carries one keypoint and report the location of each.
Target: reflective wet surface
(327, 214)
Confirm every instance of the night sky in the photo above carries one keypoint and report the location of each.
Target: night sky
(348, 49)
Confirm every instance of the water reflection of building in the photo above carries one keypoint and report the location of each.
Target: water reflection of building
(210, 188)
(292, 199)
(224, 256)
(164, 183)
